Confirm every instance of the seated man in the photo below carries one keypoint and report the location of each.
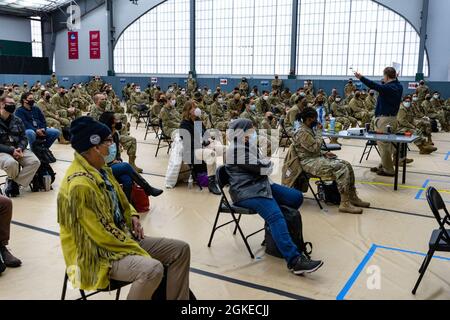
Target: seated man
(34, 122)
(13, 150)
(6, 258)
(101, 236)
(308, 143)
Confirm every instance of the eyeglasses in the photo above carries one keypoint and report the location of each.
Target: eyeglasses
(108, 141)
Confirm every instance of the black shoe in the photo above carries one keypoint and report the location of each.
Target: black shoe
(150, 191)
(12, 189)
(305, 265)
(385, 174)
(8, 259)
(2, 265)
(212, 186)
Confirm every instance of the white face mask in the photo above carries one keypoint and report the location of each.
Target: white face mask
(183, 93)
(138, 90)
(338, 100)
(302, 94)
(436, 96)
(407, 104)
(173, 103)
(415, 99)
(220, 100)
(266, 98)
(209, 92)
(198, 112)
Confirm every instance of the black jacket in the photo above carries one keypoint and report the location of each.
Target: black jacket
(12, 135)
(191, 141)
(246, 172)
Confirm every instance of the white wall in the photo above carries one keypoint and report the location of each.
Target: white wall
(96, 20)
(15, 29)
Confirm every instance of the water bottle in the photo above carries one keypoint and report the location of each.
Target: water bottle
(332, 124)
(190, 182)
(47, 182)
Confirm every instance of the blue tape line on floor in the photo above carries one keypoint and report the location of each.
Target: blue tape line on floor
(419, 193)
(447, 156)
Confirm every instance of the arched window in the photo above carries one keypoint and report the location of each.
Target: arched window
(157, 43)
(253, 37)
(336, 35)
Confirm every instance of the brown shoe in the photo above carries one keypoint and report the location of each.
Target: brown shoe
(427, 149)
(408, 161)
(356, 201)
(9, 260)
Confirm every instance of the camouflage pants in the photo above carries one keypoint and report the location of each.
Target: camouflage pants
(135, 110)
(424, 126)
(129, 143)
(53, 123)
(363, 116)
(345, 121)
(221, 125)
(416, 132)
(124, 119)
(337, 170)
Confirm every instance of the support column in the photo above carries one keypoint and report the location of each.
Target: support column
(192, 42)
(293, 64)
(48, 40)
(423, 39)
(111, 36)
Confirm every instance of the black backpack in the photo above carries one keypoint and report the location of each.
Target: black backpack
(328, 192)
(295, 227)
(434, 125)
(42, 152)
(38, 183)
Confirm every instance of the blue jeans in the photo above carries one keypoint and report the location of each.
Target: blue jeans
(122, 172)
(270, 211)
(51, 136)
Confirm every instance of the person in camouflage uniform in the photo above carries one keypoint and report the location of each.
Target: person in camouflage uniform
(139, 101)
(292, 115)
(250, 113)
(95, 86)
(370, 102)
(218, 115)
(99, 107)
(262, 104)
(422, 91)
(406, 123)
(52, 117)
(244, 87)
(342, 113)
(277, 84)
(53, 80)
(349, 88)
(191, 84)
(182, 98)
(308, 145)
(434, 113)
(235, 104)
(358, 111)
(169, 116)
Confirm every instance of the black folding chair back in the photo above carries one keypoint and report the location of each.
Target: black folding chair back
(440, 238)
(225, 206)
(284, 135)
(163, 138)
(150, 124)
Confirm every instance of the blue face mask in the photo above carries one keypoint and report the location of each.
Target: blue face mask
(112, 153)
(252, 107)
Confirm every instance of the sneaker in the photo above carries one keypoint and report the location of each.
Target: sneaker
(304, 264)
(8, 259)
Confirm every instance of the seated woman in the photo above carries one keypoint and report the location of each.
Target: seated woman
(308, 144)
(198, 147)
(123, 171)
(251, 188)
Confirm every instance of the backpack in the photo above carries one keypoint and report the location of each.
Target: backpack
(328, 192)
(42, 152)
(295, 227)
(38, 182)
(434, 125)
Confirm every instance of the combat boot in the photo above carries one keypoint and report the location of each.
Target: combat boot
(346, 205)
(426, 149)
(356, 201)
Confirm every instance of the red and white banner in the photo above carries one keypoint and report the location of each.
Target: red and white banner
(94, 44)
(73, 45)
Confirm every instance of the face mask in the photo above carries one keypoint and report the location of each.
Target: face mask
(62, 94)
(42, 88)
(112, 153)
(220, 100)
(436, 96)
(173, 103)
(252, 107)
(103, 104)
(302, 94)
(47, 98)
(415, 99)
(338, 100)
(372, 94)
(17, 91)
(138, 90)
(270, 118)
(118, 126)
(10, 108)
(252, 94)
(198, 112)
(407, 104)
(30, 103)
(183, 93)
(209, 92)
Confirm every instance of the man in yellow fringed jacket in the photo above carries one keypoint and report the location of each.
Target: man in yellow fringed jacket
(101, 236)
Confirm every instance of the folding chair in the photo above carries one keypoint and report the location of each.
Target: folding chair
(308, 177)
(236, 212)
(369, 144)
(150, 124)
(330, 146)
(440, 238)
(284, 135)
(142, 115)
(163, 138)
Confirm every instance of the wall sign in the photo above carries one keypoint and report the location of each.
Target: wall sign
(94, 44)
(73, 45)
(413, 85)
(223, 82)
(265, 83)
(154, 80)
(123, 80)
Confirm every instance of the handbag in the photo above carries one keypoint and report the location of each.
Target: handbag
(139, 199)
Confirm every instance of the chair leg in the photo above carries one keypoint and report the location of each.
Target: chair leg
(83, 295)
(157, 149)
(378, 151)
(214, 226)
(118, 294)
(235, 228)
(64, 290)
(315, 196)
(422, 270)
(362, 156)
(368, 153)
(243, 236)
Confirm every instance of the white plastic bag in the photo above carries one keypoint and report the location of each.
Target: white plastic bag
(175, 162)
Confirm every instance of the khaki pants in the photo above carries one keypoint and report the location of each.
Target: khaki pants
(5, 220)
(209, 156)
(386, 148)
(30, 165)
(146, 273)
